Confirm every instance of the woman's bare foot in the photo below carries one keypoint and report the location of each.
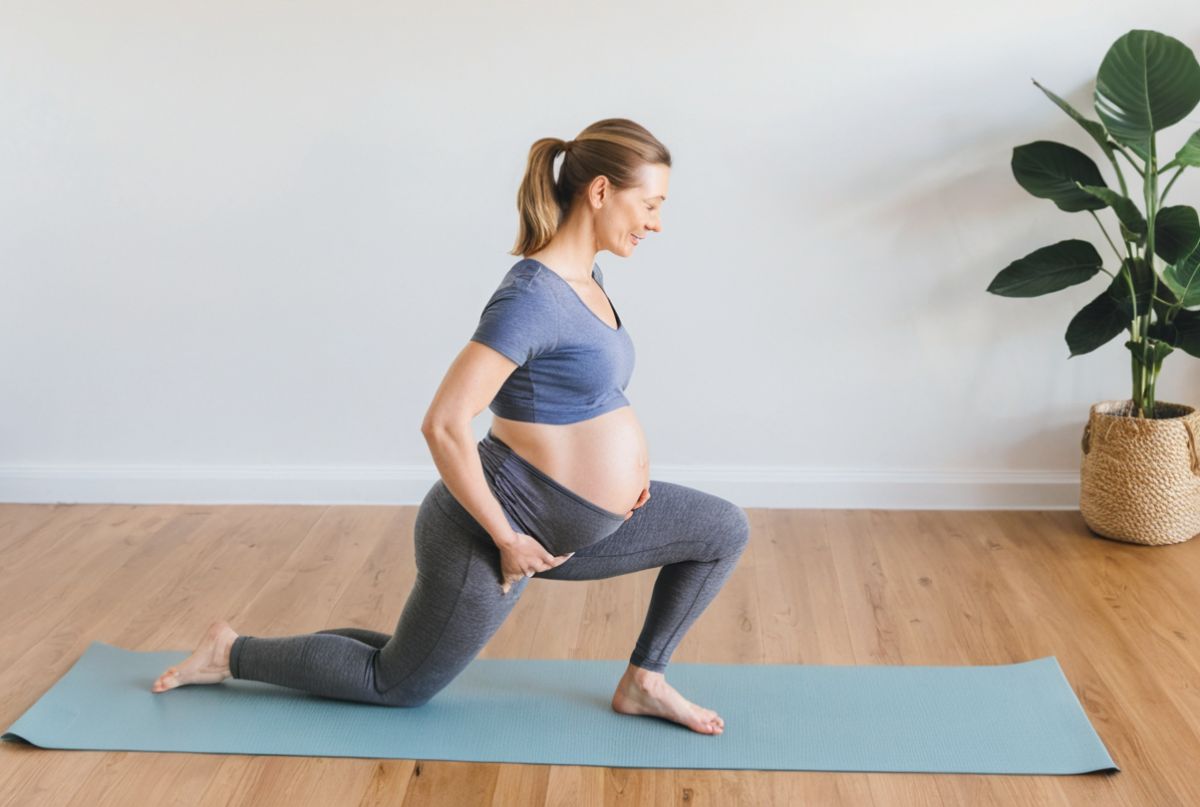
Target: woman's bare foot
(642, 692)
(209, 664)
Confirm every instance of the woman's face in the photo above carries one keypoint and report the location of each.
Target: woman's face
(630, 214)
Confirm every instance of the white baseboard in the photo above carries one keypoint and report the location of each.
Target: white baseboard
(747, 486)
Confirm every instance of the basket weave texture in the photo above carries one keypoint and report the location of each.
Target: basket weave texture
(1140, 477)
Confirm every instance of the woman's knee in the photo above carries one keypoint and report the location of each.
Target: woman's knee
(726, 525)
(411, 693)
(737, 527)
(404, 699)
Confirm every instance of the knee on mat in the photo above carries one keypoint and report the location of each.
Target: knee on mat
(405, 699)
(408, 694)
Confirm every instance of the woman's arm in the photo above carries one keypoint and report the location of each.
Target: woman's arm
(457, 460)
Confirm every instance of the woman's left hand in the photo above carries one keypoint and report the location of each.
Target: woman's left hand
(641, 500)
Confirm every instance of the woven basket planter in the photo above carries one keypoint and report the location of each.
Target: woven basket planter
(1140, 479)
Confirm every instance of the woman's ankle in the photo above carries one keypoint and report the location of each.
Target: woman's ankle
(646, 679)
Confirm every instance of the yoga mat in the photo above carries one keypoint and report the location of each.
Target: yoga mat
(1010, 718)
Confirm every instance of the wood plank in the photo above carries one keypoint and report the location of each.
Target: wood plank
(814, 587)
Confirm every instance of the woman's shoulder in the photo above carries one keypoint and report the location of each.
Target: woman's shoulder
(534, 269)
(527, 284)
(528, 275)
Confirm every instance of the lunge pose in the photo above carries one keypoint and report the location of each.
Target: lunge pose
(559, 488)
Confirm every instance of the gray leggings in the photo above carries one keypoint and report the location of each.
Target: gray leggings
(456, 603)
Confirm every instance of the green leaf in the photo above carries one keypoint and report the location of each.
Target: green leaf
(1159, 350)
(1125, 209)
(1099, 321)
(1187, 327)
(1048, 269)
(1050, 170)
(1176, 232)
(1183, 277)
(1146, 82)
(1093, 128)
(1160, 330)
(1166, 300)
(1143, 284)
(1190, 153)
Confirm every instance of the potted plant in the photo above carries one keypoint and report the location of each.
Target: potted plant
(1140, 470)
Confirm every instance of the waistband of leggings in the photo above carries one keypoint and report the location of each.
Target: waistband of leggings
(512, 455)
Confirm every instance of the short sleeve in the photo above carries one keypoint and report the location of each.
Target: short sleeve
(520, 321)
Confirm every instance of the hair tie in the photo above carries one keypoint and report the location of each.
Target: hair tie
(567, 146)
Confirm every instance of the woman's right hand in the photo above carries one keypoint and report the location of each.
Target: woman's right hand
(523, 556)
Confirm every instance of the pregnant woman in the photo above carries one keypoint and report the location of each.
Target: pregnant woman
(559, 488)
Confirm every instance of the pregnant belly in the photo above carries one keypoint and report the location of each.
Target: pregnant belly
(603, 459)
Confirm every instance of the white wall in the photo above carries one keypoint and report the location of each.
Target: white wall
(241, 242)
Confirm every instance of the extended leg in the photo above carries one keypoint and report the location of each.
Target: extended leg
(453, 610)
(371, 637)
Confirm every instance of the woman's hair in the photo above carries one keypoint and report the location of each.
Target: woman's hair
(614, 147)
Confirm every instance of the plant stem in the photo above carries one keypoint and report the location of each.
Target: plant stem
(1106, 238)
(1129, 157)
(1146, 390)
(1120, 176)
(1166, 190)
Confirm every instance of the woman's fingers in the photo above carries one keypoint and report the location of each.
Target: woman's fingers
(548, 562)
(551, 561)
(642, 499)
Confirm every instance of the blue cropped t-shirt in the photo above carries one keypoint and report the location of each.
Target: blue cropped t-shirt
(572, 365)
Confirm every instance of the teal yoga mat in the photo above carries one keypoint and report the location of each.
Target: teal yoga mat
(1010, 718)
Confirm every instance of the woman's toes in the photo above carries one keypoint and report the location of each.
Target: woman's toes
(167, 680)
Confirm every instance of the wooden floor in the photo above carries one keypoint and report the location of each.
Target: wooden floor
(814, 587)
